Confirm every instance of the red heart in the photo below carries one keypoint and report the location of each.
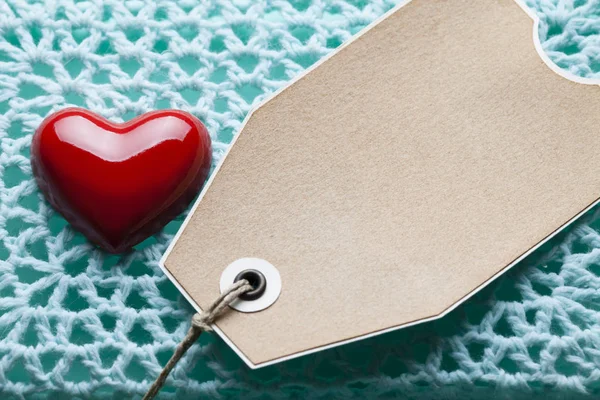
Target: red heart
(120, 183)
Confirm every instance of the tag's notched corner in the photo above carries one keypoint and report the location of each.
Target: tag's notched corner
(568, 75)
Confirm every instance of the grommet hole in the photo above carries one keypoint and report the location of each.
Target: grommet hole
(258, 282)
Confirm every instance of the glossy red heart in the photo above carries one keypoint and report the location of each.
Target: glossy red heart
(120, 183)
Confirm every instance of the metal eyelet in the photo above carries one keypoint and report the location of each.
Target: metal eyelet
(256, 279)
(257, 271)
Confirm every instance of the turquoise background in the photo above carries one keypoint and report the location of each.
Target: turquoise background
(78, 323)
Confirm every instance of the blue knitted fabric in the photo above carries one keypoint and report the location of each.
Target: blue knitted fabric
(77, 323)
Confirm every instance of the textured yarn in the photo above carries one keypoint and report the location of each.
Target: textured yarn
(77, 323)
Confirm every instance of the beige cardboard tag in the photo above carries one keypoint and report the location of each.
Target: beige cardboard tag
(395, 179)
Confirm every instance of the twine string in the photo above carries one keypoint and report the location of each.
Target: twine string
(201, 322)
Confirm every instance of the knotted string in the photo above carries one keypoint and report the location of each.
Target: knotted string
(201, 322)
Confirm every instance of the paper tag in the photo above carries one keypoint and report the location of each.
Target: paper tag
(395, 179)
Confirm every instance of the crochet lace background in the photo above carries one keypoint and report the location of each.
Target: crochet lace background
(76, 323)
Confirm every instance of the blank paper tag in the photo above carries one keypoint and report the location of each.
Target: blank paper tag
(395, 179)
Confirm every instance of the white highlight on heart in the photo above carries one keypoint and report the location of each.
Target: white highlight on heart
(116, 147)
